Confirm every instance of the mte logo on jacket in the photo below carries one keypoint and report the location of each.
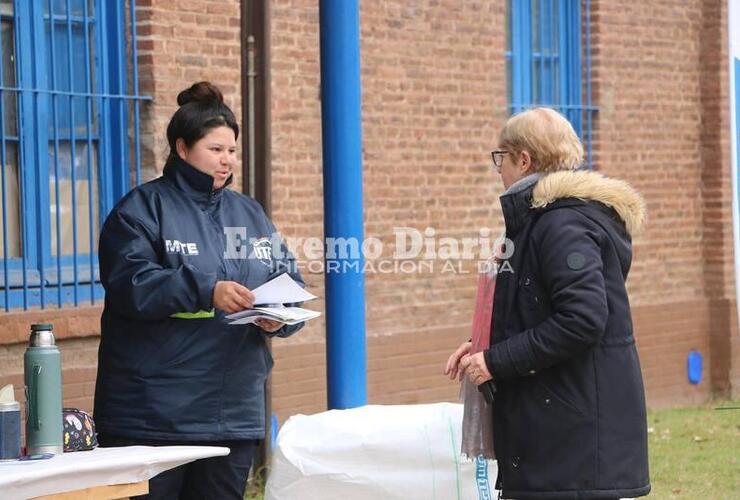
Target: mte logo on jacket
(176, 246)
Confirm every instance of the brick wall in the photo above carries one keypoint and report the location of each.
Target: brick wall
(433, 95)
(646, 82)
(717, 196)
(660, 83)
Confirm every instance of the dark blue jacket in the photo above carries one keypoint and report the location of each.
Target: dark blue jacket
(569, 415)
(169, 366)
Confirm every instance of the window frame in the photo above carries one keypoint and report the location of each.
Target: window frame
(570, 89)
(38, 277)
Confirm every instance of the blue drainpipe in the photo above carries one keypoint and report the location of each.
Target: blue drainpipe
(341, 127)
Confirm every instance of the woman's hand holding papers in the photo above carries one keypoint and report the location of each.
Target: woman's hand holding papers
(268, 325)
(231, 297)
(274, 301)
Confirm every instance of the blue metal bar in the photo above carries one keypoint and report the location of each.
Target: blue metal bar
(137, 117)
(63, 18)
(42, 195)
(527, 92)
(55, 118)
(553, 52)
(569, 33)
(115, 80)
(73, 153)
(35, 175)
(559, 58)
(75, 94)
(3, 182)
(26, 176)
(539, 19)
(555, 61)
(108, 178)
(564, 102)
(577, 69)
(576, 34)
(589, 124)
(553, 47)
(121, 85)
(516, 56)
(521, 62)
(342, 153)
(572, 33)
(565, 107)
(90, 178)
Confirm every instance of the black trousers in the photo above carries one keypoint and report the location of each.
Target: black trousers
(214, 478)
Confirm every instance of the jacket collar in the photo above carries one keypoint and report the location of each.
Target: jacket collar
(195, 184)
(516, 203)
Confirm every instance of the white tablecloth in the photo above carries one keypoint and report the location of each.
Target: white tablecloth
(98, 467)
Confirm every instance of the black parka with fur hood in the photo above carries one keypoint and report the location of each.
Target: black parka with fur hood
(569, 415)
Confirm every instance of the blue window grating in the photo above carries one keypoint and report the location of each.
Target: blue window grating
(67, 91)
(548, 60)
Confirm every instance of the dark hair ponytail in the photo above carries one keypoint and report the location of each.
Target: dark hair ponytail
(201, 109)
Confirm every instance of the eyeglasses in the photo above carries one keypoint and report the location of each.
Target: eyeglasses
(498, 158)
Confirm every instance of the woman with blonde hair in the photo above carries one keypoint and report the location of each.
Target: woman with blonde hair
(569, 417)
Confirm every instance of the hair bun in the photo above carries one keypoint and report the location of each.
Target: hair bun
(200, 92)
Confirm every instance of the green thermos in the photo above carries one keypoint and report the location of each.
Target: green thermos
(43, 373)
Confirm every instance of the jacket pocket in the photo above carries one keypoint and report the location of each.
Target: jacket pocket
(549, 394)
(553, 446)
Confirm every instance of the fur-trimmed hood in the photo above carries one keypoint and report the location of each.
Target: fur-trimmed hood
(587, 185)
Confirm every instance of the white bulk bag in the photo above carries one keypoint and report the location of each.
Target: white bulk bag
(377, 452)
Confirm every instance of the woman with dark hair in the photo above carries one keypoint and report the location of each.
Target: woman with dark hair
(171, 370)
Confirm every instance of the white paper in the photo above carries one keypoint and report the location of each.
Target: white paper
(287, 315)
(281, 290)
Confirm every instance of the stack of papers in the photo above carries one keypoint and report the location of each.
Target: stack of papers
(270, 300)
(287, 315)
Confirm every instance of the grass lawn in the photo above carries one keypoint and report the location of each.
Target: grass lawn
(255, 489)
(695, 452)
(253, 495)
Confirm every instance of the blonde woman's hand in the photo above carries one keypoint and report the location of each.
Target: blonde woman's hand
(474, 366)
(453, 362)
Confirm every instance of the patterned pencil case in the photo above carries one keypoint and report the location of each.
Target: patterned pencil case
(79, 430)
